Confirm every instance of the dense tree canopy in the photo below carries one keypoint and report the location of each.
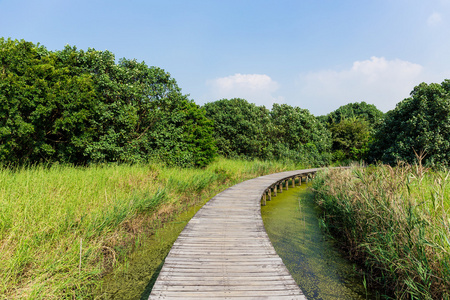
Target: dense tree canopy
(420, 123)
(299, 135)
(360, 110)
(243, 129)
(352, 127)
(351, 138)
(81, 106)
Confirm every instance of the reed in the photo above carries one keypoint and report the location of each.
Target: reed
(62, 227)
(395, 222)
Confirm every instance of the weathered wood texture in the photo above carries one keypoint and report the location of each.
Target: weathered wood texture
(224, 251)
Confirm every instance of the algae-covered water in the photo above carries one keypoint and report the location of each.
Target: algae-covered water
(134, 279)
(291, 221)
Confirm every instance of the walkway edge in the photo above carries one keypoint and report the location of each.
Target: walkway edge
(224, 251)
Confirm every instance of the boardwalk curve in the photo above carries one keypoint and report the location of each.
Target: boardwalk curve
(224, 251)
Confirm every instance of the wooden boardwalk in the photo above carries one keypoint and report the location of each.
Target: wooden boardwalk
(224, 251)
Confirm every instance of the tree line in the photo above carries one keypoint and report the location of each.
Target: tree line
(81, 107)
(75, 106)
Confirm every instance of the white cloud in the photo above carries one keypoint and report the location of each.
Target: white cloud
(376, 81)
(255, 88)
(434, 19)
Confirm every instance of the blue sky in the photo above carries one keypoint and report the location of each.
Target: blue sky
(315, 54)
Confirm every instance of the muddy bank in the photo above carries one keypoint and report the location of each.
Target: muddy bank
(135, 278)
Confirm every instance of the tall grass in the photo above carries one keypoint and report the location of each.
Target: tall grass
(394, 221)
(62, 227)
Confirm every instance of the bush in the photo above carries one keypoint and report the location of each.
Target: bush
(286, 133)
(418, 124)
(352, 127)
(76, 106)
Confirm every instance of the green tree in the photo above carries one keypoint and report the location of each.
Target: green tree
(360, 110)
(350, 138)
(420, 123)
(352, 126)
(81, 107)
(241, 128)
(301, 135)
(44, 108)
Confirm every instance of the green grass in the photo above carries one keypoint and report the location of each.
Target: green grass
(395, 222)
(47, 214)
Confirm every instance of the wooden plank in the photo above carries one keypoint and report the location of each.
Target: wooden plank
(228, 293)
(237, 280)
(224, 251)
(240, 298)
(262, 287)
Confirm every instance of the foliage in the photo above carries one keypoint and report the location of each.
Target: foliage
(76, 106)
(352, 127)
(243, 129)
(45, 110)
(360, 110)
(47, 213)
(420, 123)
(301, 134)
(394, 222)
(240, 128)
(350, 138)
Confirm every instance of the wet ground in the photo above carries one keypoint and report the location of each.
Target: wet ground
(291, 221)
(135, 278)
(293, 227)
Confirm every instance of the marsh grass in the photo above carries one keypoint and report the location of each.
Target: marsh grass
(395, 222)
(62, 228)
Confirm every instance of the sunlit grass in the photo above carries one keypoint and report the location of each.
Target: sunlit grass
(63, 227)
(395, 221)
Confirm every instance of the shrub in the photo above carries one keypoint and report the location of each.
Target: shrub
(420, 123)
(76, 106)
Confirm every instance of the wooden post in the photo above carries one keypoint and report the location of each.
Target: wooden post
(269, 194)
(280, 187)
(275, 190)
(300, 180)
(293, 182)
(287, 184)
(263, 200)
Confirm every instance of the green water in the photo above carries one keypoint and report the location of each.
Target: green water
(317, 266)
(135, 278)
(292, 225)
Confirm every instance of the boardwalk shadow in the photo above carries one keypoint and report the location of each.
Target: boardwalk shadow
(148, 289)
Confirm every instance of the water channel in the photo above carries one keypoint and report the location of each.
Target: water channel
(291, 221)
(135, 278)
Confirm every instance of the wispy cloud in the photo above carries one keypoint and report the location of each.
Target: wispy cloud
(256, 88)
(434, 19)
(377, 81)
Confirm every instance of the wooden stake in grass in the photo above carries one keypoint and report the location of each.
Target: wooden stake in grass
(81, 247)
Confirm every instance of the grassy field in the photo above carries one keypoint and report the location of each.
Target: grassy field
(395, 222)
(62, 228)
